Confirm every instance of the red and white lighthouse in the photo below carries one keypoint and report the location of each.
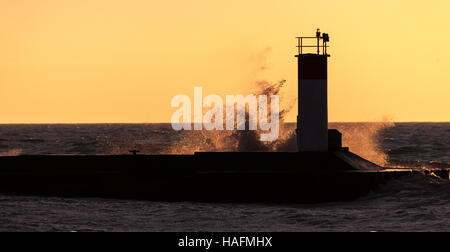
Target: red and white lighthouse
(312, 119)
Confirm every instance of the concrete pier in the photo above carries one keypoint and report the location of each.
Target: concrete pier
(208, 177)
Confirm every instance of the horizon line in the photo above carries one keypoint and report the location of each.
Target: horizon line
(68, 123)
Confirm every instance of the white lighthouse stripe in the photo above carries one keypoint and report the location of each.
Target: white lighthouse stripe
(313, 115)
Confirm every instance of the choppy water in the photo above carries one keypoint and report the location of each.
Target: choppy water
(417, 203)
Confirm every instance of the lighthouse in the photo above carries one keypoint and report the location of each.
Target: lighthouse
(312, 119)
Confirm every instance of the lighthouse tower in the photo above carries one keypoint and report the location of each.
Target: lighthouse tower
(312, 119)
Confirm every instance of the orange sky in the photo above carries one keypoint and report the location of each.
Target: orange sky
(73, 61)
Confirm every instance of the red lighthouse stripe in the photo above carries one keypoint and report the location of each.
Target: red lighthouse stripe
(312, 67)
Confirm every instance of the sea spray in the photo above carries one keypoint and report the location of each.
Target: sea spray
(236, 140)
(363, 139)
(11, 152)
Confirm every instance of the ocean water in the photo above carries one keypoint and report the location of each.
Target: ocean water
(415, 203)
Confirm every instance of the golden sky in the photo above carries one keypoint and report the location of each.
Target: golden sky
(92, 61)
